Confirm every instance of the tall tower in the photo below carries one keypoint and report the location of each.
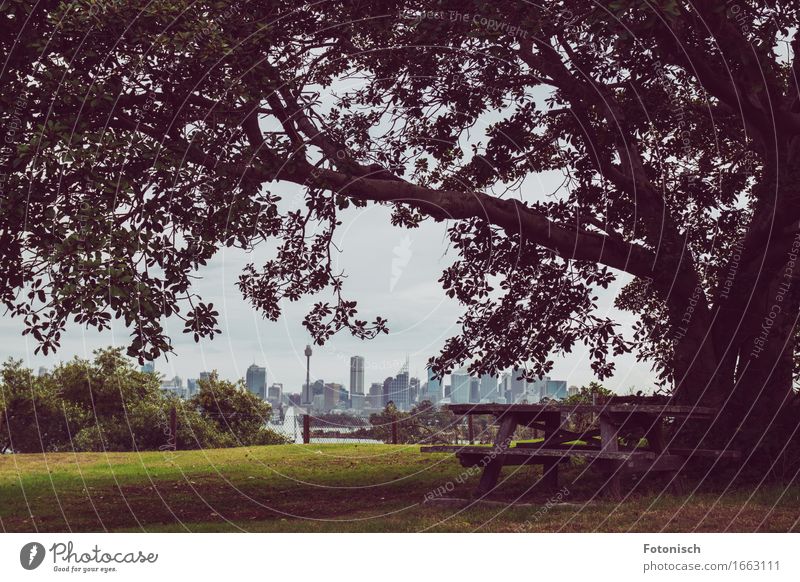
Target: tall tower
(357, 375)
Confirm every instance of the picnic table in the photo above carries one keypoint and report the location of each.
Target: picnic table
(601, 445)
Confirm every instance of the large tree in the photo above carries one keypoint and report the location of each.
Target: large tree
(141, 137)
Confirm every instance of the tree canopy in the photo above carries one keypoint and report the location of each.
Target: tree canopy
(141, 137)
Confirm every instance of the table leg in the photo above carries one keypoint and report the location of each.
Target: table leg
(495, 455)
(550, 468)
(655, 437)
(608, 444)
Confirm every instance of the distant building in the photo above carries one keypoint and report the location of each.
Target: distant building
(474, 389)
(357, 401)
(516, 389)
(191, 386)
(256, 381)
(357, 375)
(294, 398)
(413, 390)
(573, 391)
(174, 386)
(433, 391)
(205, 375)
(375, 398)
(43, 371)
(318, 388)
(399, 391)
(487, 390)
(331, 396)
(275, 393)
(536, 390)
(460, 387)
(556, 389)
(148, 367)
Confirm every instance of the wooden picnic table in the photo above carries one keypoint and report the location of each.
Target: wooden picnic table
(601, 444)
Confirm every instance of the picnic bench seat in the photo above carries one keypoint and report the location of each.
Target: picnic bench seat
(561, 445)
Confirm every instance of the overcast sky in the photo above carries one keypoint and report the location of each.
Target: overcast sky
(392, 272)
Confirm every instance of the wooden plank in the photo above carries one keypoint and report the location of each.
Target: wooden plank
(527, 452)
(613, 409)
(492, 469)
(726, 454)
(472, 460)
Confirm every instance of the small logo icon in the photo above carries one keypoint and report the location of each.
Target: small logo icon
(31, 555)
(402, 255)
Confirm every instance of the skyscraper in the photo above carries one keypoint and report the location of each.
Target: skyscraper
(399, 391)
(375, 399)
(148, 367)
(460, 384)
(256, 381)
(488, 389)
(413, 390)
(556, 389)
(331, 395)
(516, 386)
(357, 375)
(275, 393)
(434, 391)
(474, 390)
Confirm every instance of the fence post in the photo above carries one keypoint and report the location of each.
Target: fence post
(470, 430)
(394, 431)
(173, 428)
(306, 429)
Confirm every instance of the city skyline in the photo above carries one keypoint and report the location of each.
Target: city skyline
(420, 317)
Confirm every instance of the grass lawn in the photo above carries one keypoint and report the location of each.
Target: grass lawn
(310, 488)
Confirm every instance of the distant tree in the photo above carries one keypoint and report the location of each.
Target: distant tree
(108, 405)
(594, 392)
(382, 423)
(107, 385)
(234, 410)
(32, 417)
(431, 425)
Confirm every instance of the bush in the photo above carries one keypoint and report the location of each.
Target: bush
(108, 405)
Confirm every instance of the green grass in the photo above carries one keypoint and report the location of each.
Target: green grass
(347, 488)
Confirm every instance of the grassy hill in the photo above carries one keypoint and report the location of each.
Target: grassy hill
(346, 488)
